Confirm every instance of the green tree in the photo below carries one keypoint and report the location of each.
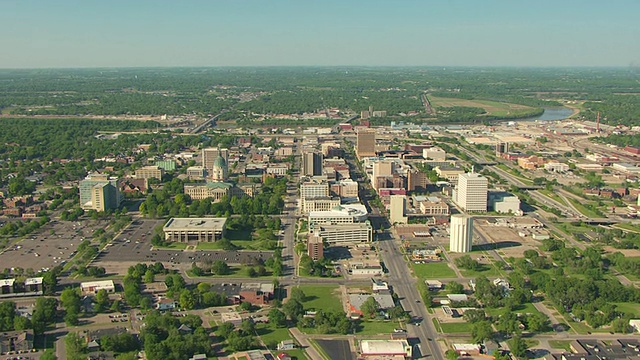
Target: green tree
(75, 346)
(187, 299)
(455, 287)
(293, 309)
(451, 355)
(518, 346)
(278, 318)
(102, 301)
(370, 307)
(481, 331)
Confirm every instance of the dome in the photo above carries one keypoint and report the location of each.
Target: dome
(219, 162)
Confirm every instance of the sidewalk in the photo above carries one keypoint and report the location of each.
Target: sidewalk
(302, 340)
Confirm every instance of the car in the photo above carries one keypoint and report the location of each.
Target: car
(417, 300)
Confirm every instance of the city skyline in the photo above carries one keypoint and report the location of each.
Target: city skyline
(70, 34)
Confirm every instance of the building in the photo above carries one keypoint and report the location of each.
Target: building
(315, 248)
(356, 300)
(531, 163)
(434, 153)
(194, 229)
(504, 203)
(385, 349)
(286, 345)
(164, 304)
(449, 173)
(320, 204)
(256, 293)
(150, 172)
(196, 173)
(317, 190)
(471, 194)
(16, 342)
(166, 165)
(210, 156)
(416, 180)
(626, 167)
(92, 287)
(312, 164)
(343, 233)
(34, 285)
(99, 192)
(366, 143)
(397, 209)
(555, 166)
(460, 233)
(347, 190)
(7, 286)
(216, 190)
(220, 170)
(341, 214)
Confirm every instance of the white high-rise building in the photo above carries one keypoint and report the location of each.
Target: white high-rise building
(472, 190)
(397, 207)
(461, 233)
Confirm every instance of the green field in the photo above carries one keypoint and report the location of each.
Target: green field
(561, 344)
(378, 327)
(493, 108)
(628, 227)
(434, 270)
(629, 308)
(456, 328)
(322, 297)
(173, 245)
(583, 209)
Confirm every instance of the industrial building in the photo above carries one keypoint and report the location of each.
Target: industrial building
(194, 229)
(461, 233)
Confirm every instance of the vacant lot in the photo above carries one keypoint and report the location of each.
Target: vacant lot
(322, 297)
(493, 108)
(434, 270)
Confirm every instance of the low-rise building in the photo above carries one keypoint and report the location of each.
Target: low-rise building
(257, 293)
(556, 167)
(16, 341)
(150, 172)
(194, 229)
(315, 247)
(166, 304)
(504, 202)
(385, 349)
(449, 173)
(92, 287)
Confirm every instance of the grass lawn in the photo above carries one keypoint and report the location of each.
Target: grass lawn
(629, 308)
(208, 246)
(174, 245)
(238, 235)
(527, 308)
(552, 195)
(487, 270)
(561, 344)
(434, 270)
(628, 227)
(456, 328)
(269, 333)
(583, 209)
(530, 343)
(321, 297)
(378, 327)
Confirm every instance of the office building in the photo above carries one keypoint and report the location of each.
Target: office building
(397, 209)
(99, 192)
(471, 192)
(150, 172)
(194, 229)
(504, 203)
(343, 233)
(461, 233)
(312, 164)
(366, 143)
(341, 214)
(209, 156)
(315, 248)
(434, 153)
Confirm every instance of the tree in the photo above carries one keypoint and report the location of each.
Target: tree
(518, 346)
(455, 287)
(49, 354)
(187, 300)
(293, 309)
(297, 294)
(245, 306)
(219, 267)
(278, 318)
(370, 307)
(397, 312)
(537, 322)
(102, 301)
(481, 331)
(475, 315)
(116, 306)
(451, 355)
(74, 346)
(149, 276)
(225, 330)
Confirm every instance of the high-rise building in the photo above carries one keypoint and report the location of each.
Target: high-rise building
(109, 197)
(397, 208)
(209, 156)
(461, 233)
(366, 143)
(315, 247)
(312, 164)
(471, 192)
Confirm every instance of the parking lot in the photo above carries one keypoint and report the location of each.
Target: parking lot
(133, 246)
(54, 244)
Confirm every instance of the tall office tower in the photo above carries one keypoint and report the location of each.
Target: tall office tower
(461, 233)
(472, 192)
(209, 156)
(110, 196)
(502, 148)
(366, 143)
(397, 207)
(312, 164)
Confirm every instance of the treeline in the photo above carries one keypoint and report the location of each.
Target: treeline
(621, 140)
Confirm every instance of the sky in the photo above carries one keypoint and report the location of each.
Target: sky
(139, 33)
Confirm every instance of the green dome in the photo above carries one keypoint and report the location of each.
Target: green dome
(219, 162)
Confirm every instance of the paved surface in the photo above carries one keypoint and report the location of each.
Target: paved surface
(53, 244)
(304, 343)
(336, 349)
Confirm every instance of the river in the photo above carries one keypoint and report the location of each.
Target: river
(553, 113)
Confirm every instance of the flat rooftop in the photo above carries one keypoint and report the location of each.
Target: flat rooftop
(195, 224)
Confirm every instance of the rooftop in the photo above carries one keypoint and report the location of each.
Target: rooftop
(195, 223)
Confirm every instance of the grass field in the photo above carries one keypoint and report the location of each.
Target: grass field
(552, 195)
(378, 327)
(433, 270)
(629, 308)
(174, 245)
(456, 328)
(321, 297)
(493, 108)
(627, 227)
(527, 308)
(583, 209)
(561, 344)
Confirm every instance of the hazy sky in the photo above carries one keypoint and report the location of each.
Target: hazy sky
(114, 33)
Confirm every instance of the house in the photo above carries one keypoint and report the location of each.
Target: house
(166, 304)
(16, 341)
(286, 345)
(284, 356)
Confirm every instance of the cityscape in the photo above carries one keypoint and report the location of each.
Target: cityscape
(360, 206)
